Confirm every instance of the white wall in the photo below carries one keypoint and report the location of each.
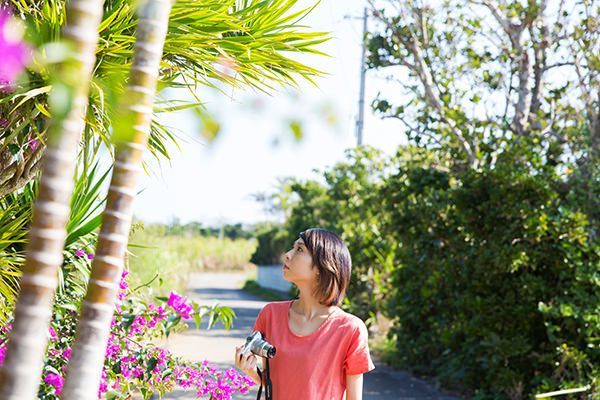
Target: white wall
(271, 277)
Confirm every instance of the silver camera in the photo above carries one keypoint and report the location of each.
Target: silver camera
(257, 345)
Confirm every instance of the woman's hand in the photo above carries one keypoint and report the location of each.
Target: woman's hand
(245, 362)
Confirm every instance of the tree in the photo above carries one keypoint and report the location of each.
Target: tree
(20, 374)
(131, 137)
(482, 78)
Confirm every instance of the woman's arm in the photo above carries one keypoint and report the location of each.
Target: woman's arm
(354, 387)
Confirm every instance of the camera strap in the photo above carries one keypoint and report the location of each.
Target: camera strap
(267, 382)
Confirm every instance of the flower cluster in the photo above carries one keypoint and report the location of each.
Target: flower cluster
(83, 253)
(133, 362)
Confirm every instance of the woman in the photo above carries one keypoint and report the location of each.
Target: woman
(322, 351)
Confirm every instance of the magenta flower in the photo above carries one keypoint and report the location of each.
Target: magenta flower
(90, 256)
(137, 327)
(14, 53)
(113, 347)
(6, 328)
(103, 385)
(2, 354)
(123, 286)
(80, 253)
(67, 353)
(55, 380)
(33, 144)
(52, 333)
(179, 304)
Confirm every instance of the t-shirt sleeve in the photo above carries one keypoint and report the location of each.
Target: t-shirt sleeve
(261, 321)
(358, 359)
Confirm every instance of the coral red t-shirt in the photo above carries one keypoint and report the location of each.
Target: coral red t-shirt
(314, 367)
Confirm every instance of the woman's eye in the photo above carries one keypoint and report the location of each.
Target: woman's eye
(299, 249)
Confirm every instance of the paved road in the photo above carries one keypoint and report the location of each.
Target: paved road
(217, 345)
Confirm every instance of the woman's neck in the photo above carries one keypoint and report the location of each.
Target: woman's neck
(309, 307)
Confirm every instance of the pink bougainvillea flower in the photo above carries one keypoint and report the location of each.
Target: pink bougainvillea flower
(103, 386)
(80, 253)
(52, 332)
(13, 51)
(123, 286)
(67, 353)
(2, 354)
(179, 304)
(55, 380)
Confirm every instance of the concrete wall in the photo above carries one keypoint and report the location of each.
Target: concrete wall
(271, 277)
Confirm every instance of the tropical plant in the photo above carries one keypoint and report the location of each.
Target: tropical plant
(255, 37)
(84, 220)
(214, 43)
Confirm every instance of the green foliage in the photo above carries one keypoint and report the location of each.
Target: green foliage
(497, 280)
(231, 231)
(273, 241)
(15, 214)
(254, 288)
(494, 215)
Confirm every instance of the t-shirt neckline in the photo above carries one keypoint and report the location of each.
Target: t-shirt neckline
(329, 318)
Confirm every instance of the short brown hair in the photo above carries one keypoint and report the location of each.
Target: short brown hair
(332, 257)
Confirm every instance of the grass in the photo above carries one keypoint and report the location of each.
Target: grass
(168, 260)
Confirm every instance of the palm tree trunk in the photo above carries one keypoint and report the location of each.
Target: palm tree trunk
(21, 372)
(131, 137)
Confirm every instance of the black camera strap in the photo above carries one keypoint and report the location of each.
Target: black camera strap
(266, 381)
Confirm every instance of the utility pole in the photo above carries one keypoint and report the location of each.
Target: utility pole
(360, 121)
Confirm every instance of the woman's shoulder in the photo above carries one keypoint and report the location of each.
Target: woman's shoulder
(349, 321)
(276, 306)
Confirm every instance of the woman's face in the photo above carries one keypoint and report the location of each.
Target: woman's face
(298, 265)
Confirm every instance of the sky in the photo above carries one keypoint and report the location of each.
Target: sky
(213, 182)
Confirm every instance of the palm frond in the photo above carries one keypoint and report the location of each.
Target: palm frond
(15, 214)
(255, 40)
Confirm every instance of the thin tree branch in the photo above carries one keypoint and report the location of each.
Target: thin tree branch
(558, 65)
(539, 66)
